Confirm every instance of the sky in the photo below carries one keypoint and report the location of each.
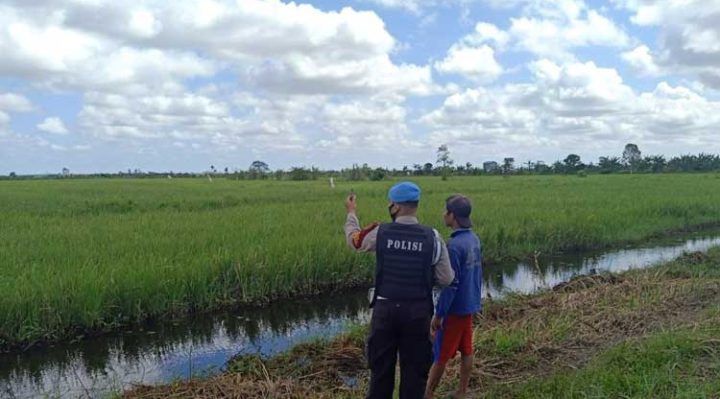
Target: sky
(106, 86)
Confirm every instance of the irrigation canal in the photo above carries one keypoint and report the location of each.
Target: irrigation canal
(201, 345)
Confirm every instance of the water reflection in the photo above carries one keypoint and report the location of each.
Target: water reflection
(527, 277)
(173, 350)
(201, 345)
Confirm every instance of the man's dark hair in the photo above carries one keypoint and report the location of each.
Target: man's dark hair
(451, 199)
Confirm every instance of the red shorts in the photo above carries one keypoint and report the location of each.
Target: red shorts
(455, 335)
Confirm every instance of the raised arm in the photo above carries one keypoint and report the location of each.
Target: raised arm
(357, 238)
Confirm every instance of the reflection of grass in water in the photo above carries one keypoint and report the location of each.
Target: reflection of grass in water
(80, 254)
(579, 340)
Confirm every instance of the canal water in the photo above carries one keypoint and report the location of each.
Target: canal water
(201, 345)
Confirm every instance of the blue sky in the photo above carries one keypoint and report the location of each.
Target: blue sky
(161, 86)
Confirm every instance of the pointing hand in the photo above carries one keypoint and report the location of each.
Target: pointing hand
(351, 203)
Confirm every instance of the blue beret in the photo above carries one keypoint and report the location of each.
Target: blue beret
(404, 192)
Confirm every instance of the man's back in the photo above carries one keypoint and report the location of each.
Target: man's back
(463, 297)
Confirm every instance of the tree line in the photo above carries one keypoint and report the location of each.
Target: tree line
(631, 160)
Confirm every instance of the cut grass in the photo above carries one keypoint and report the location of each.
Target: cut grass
(78, 256)
(643, 333)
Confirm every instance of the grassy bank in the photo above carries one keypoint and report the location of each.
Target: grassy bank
(79, 255)
(640, 334)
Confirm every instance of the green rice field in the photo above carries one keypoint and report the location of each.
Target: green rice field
(84, 255)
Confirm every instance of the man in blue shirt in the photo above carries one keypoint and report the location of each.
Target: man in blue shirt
(452, 324)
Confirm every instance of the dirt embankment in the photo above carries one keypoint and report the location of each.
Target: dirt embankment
(520, 338)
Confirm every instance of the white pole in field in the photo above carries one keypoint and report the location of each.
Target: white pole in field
(332, 182)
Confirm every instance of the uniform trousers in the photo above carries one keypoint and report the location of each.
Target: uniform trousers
(399, 327)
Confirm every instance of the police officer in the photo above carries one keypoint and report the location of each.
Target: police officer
(411, 258)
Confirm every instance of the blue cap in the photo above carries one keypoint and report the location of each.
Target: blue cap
(404, 192)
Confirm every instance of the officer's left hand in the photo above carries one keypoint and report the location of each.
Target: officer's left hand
(351, 203)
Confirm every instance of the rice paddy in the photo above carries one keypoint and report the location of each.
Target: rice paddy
(78, 256)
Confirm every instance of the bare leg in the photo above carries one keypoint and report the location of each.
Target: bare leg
(436, 372)
(466, 364)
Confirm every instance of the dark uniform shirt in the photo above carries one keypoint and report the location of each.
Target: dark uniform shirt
(365, 240)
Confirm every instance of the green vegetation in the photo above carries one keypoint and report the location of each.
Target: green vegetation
(83, 255)
(680, 363)
(649, 333)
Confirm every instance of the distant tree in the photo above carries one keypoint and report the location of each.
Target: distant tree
(444, 161)
(572, 163)
(12, 175)
(541, 167)
(490, 166)
(609, 164)
(303, 173)
(227, 170)
(258, 170)
(259, 166)
(631, 156)
(300, 173)
(212, 169)
(428, 169)
(357, 173)
(683, 163)
(378, 174)
(65, 172)
(694, 163)
(508, 165)
(417, 169)
(705, 162)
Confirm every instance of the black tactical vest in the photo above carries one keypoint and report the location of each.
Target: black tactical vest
(404, 262)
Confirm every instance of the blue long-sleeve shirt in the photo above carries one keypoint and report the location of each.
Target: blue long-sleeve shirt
(463, 296)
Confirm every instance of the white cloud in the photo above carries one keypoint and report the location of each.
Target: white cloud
(183, 115)
(47, 51)
(573, 106)
(488, 33)
(369, 124)
(419, 7)
(9, 103)
(552, 30)
(14, 103)
(285, 47)
(414, 6)
(548, 29)
(132, 63)
(258, 76)
(476, 63)
(689, 35)
(641, 60)
(53, 125)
